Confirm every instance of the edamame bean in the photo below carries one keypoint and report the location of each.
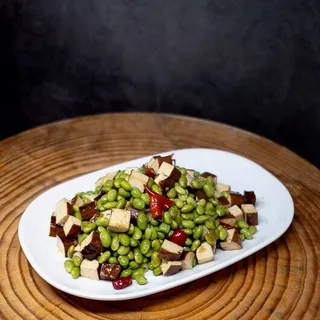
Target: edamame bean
(144, 246)
(170, 233)
(208, 190)
(142, 219)
(223, 234)
(123, 260)
(210, 224)
(134, 265)
(113, 260)
(68, 265)
(242, 224)
(148, 233)
(191, 201)
(124, 193)
(246, 233)
(117, 182)
(136, 193)
(161, 235)
(242, 237)
(108, 185)
(197, 232)
(156, 271)
(188, 242)
(124, 239)
(75, 272)
(188, 224)
(150, 266)
(183, 181)
(172, 193)
(208, 207)
(81, 237)
(125, 273)
(70, 251)
(201, 202)
(201, 219)
(183, 197)
(133, 243)
(156, 189)
(195, 245)
(174, 225)
(111, 195)
(179, 189)
(110, 205)
(156, 245)
(130, 231)
(104, 256)
(89, 227)
(102, 221)
(165, 228)
(200, 210)
(115, 243)
(187, 208)
(220, 210)
(142, 280)
(123, 251)
(187, 216)
(195, 184)
(189, 232)
(138, 204)
(155, 260)
(214, 201)
(179, 203)
(150, 182)
(145, 198)
(252, 229)
(167, 218)
(173, 212)
(138, 257)
(225, 194)
(105, 238)
(154, 222)
(137, 233)
(77, 259)
(154, 233)
(125, 185)
(121, 203)
(137, 272)
(78, 215)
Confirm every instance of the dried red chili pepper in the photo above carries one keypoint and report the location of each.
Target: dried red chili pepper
(179, 237)
(158, 203)
(122, 283)
(150, 172)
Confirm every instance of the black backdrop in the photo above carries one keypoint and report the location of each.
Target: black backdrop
(250, 63)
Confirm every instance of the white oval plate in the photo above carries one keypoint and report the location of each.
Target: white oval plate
(274, 205)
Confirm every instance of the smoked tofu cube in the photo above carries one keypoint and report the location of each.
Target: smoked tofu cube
(169, 268)
(250, 213)
(91, 246)
(235, 199)
(220, 187)
(187, 260)
(165, 169)
(63, 211)
(88, 211)
(53, 227)
(170, 251)
(157, 161)
(204, 253)
(228, 220)
(72, 227)
(119, 220)
(160, 178)
(109, 271)
(77, 201)
(89, 269)
(236, 212)
(233, 241)
(64, 243)
(109, 176)
(138, 180)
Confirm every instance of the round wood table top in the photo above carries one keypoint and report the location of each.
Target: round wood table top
(281, 281)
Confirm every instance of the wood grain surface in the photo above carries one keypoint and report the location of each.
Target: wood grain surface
(278, 282)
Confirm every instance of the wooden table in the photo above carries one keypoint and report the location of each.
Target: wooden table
(279, 282)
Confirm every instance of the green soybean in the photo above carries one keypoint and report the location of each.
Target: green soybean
(150, 183)
(242, 224)
(156, 245)
(137, 272)
(133, 243)
(196, 184)
(210, 224)
(208, 190)
(77, 259)
(105, 238)
(242, 237)
(188, 242)
(112, 195)
(123, 261)
(145, 198)
(125, 185)
(134, 265)
(183, 181)
(195, 245)
(156, 189)
(68, 265)
(155, 260)
(138, 257)
(142, 219)
(117, 182)
(223, 234)
(123, 251)
(130, 231)
(75, 272)
(210, 237)
(201, 219)
(148, 233)
(115, 243)
(174, 225)
(189, 232)
(81, 237)
(137, 233)
(252, 229)
(130, 255)
(124, 239)
(125, 273)
(220, 210)
(200, 210)
(154, 233)
(156, 271)
(167, 218)
(183, 197)
(113, 260)
(161, 235)
(197, 232)
(138, 204)
(104, 256)
(179, 189)
(102, 221)
(142, 280)
(124, 193)
(136, 193)
(187, 208)
(154, 222)
(121, 203)
(188, 224)
(110, 205)
(214, 201)
(246, 233)
(172, 193)
(78, 215)
(179, 203)
(70, 251)
(208, 207)
(201, 202)
(165, 228)
(145, 246)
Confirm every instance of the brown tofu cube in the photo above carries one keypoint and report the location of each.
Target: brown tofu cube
(228, 220)
(249, 197)
(91, 247)
(250, 213)
(236, 199)
(53, 227)
(170, 251)
(236, 212)
(72, 227)
(169, 268)
(88, 210)
(109, 271)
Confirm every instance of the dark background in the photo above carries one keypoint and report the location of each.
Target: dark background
(253, 64)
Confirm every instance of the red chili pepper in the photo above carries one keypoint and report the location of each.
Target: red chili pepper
(122, 283)
(158, 203)
(179, 237)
